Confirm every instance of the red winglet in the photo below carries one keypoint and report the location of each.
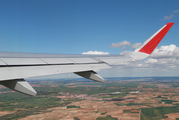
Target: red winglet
(152, 44)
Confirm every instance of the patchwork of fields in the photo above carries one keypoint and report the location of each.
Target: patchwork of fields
(79, 99)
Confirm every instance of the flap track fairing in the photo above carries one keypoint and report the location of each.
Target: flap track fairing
(92, 75)
(19, 85)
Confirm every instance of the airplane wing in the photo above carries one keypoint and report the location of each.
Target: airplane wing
(15, 67)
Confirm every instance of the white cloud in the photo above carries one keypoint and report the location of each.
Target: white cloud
(166, 51)
(123, 48)
(121, 44)
(176, 11)
(151, 61)
(169, 17)
(164, 61)
(134, 46)
(96, 53)
(148, 67)
(125, 43)
(125, 53)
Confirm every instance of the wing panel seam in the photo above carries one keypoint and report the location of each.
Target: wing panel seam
(50, 64)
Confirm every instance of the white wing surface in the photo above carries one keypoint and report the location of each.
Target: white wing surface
(15, 67)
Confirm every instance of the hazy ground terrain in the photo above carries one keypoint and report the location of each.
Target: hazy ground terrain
(79, 99)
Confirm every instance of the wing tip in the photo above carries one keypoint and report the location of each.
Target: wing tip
(170, 23)
(150, 44)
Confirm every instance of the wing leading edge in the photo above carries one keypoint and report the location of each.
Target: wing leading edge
(15, 67)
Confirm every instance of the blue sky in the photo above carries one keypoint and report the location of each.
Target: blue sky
(77, 26)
